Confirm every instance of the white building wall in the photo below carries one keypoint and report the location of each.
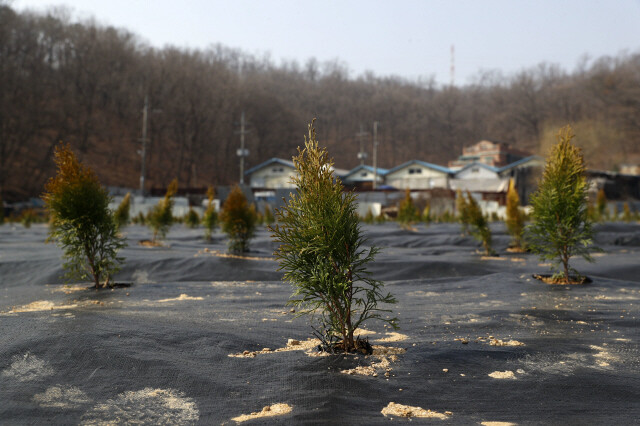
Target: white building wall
(273, 176)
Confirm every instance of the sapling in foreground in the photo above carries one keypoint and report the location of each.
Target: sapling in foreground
(321, 251)
(81, 222)
(561, 227)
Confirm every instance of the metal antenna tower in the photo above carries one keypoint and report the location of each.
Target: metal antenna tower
(375, 154)
(453, 65)
(242, 152)
(143, 153)
(362, 155)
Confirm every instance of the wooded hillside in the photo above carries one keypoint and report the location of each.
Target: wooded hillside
(85, 84)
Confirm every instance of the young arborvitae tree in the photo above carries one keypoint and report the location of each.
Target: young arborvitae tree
(561, 227)
(238, 221)
(407, 212)
(122, 212)
(368, 217)
(626, 212)
(601, 205)
(160, 218)
(210, 217)
(191, 219)
(81, 222)
(479, 226)
(321, 251)
(268, 218)
(462, 211)
(426, 214)
(515, 217)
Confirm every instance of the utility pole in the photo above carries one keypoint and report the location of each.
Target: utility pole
(242, 152)
(375, 154)
(143, 153)
(362, 155)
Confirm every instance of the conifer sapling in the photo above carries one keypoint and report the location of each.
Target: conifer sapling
(321, 251)
(238, 220)
(81, 222)
(515, 216)
(210, 217)
(160, 218)
(122, 212)
(561, 227)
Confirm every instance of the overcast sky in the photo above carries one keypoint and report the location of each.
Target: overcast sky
(408, 38)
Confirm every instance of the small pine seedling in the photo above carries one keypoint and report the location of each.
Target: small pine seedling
(515, 217)
(122, 212)
(81, 222)
(238, 221)
(321, 251)
(160, 218)
(479, 226)
(561, 227)
(210, 216)
(191, 219)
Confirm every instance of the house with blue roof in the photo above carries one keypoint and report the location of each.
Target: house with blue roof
(416, 174)
(274, 173)
(362, 176)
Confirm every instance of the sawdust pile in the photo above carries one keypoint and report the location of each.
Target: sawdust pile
(268, 411)
(498, 342)
(67, 397)
(308, 346)
(399, 410)
(503, 375)
(183, 296)
(217, 253)
(384, 355)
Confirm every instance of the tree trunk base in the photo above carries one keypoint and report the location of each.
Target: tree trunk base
(573, 279)
(360, 346)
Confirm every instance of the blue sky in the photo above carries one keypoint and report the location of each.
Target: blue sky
(407, 38)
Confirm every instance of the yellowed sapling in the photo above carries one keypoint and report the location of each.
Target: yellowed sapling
(210, 217)
(238, 220)
(81, 222)
(561, 227)
(515, 217)
(321, 251)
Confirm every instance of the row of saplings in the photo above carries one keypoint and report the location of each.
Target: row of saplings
(160, 217)
(321, 245)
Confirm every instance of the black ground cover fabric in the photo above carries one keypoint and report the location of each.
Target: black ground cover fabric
(158, 351)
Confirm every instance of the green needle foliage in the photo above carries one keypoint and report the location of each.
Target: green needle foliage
(561, 227)
(479, 226)
(601, 205)
(268, 217)
(626, 212)
(81, 222)
(515, 217)
(238, 220)
(210, 216)
(122, 212)
(321, 251)
(462, 211)
(368, 217)
(407, 212)
(160, 218)
(192, 219)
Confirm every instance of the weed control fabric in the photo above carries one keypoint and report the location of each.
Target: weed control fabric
(195, 336)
